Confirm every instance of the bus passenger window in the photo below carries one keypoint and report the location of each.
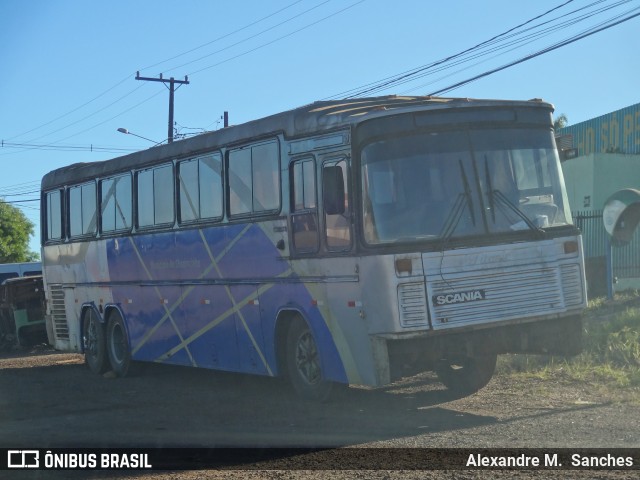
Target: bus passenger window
(54, 216)
(155, 196)
(82, 210)
(304, 219)
(200, 189)
(266, 185)
(116, 203)
(254, 179)
(338, 228)
(240, 194)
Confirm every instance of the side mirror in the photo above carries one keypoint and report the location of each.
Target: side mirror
(333, 190)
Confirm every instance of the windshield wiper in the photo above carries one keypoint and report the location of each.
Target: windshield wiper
(455, 214)
(467, 192)
(504, 200)
(453, 218)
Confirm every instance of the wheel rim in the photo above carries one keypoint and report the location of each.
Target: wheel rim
(118, 345)
(307, 360)
(91, 336)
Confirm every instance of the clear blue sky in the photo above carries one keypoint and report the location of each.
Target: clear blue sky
(68, 66)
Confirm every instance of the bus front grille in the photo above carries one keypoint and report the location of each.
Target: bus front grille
(495, 295)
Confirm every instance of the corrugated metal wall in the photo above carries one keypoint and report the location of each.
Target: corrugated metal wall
(615, 132)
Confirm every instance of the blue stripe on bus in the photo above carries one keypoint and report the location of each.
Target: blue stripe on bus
(213, 326)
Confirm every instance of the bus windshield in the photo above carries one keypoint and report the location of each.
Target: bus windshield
(441, 185)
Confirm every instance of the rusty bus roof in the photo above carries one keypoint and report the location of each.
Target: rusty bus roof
(317, 117)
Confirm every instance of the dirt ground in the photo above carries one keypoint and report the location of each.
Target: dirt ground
(51, 400)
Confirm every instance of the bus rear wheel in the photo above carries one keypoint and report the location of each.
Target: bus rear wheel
(118, 345)
(93, 342)
(304, 364)
(466, 375)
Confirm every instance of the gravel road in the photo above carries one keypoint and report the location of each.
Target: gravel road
(49, 400)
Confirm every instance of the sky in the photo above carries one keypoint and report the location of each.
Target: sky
(68, 67)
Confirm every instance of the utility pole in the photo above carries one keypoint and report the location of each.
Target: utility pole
(172, 82)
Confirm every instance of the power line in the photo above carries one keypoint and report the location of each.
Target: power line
(502, 40)
(515, 44)
(252, 36)
(18, 194)
(277, 39)
(360, 91)
(132, 91)
(20, 201)
(53, 144)
(533, 55)
(73, 110)
(67, 148)
(19, 186)
(205, 68)
(222, 37)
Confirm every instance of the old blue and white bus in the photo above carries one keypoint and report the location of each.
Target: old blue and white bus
(343, 242)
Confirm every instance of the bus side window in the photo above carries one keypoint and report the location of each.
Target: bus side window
(253, 179)
(336, 205)
(115, 204)
(304, 217)
(155, 196)
(54, 215)
(82, 210)
(200, 184)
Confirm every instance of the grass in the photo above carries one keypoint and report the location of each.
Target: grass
(611, 349)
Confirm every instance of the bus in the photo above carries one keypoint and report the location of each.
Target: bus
(343, 242)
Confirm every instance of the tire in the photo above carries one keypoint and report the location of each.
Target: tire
(304, 365)
(93, 342)
(118, 345)
(466, 375)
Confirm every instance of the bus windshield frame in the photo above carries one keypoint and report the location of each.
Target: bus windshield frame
(475, 182)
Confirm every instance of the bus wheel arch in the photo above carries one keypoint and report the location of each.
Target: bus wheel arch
(302, 363)
(283, 322)
(94, 344)
(117, 341)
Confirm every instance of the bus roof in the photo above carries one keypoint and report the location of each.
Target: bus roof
(317, 117)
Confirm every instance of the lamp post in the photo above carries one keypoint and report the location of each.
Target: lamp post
(127, 132)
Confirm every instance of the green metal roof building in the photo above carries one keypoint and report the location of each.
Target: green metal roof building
(600, 157)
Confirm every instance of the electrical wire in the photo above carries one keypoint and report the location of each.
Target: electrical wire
(502, 40)
(358, 91)
(20, 201)
(502, 51)
(67, 148)
(533, 55)
(128, 77)
(250, 37)
(73, 110)
(277, 39)
(223, 36)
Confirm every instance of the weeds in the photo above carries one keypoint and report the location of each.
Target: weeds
(611, 348)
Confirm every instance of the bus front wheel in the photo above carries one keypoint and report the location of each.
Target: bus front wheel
(304, 364)
(118, 345)
(466, 375)
(93, 343)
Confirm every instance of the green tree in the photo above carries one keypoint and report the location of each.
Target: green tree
(561, 121)
(15, 230)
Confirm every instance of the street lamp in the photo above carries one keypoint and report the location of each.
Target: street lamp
(127, 132)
